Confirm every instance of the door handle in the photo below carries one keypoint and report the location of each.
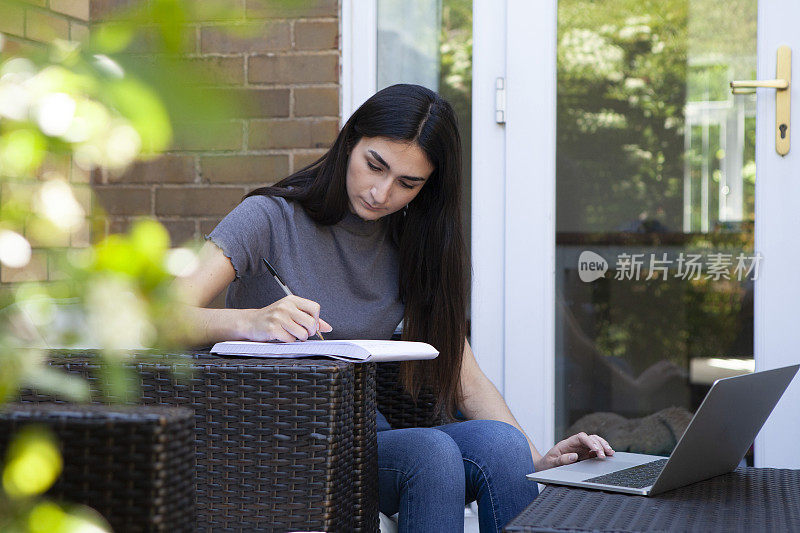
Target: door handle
(738, 85)
(781, 84)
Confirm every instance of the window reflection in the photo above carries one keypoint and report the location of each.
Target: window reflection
(656, 158)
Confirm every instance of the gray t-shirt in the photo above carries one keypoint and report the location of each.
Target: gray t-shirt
(350, 268)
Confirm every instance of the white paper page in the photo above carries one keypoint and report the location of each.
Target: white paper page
(351, 350)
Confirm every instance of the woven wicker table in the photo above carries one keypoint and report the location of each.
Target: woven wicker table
(281, 445)
(747, 499)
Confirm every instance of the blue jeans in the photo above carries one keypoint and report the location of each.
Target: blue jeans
(429, 474)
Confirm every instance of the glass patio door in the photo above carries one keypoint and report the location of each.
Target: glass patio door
(605, 138)
(646, 215)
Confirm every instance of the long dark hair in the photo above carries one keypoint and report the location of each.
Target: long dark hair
(434, 273)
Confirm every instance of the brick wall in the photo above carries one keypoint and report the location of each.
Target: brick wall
(285, 69)
(27, 26)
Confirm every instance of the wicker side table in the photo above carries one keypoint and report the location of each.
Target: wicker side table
(132, 464)
(275, 439)
(747, 499)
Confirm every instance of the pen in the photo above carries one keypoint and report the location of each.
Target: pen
(286, 289)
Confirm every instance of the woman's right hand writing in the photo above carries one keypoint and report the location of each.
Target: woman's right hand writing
(289, 319)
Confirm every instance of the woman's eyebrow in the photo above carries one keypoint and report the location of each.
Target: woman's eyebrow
(380, 159)
(384, 163)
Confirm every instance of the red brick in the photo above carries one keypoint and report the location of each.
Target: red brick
(208, 136)
(41, 234)
(207, 225)
(78, 32)
(316, 101)
(284, 9)
(120, 200)
(44, 27)
(316, 35)
(55, 164)
(19, 47)
(165, 169)
(119, 224)
(80, 175)
(12, 19)
(267, 134)
(246, 102)
(83, 195)
(78, 9)
(197, 201)
(216, 10)
(303, 159)
(98, 177)
(36, 270)
(323, 133)
(245, 38)
(266, 169)
(294, 69)
(147, 40)
(82, 237)
(180, 231)
(106, 9)
(218, 70)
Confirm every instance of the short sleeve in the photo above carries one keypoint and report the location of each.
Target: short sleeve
(245, 233)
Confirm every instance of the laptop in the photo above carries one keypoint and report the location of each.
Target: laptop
(714, 443)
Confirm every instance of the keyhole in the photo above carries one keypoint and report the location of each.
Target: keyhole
(783, 128)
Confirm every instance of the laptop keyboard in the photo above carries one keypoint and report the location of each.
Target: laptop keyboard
(636, 477)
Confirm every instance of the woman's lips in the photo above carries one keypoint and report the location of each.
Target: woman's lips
(368, 206)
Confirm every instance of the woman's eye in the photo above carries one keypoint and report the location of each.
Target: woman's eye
(373, 167)
(406, 185)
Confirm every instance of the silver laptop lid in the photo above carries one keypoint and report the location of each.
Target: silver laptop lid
(724, 427)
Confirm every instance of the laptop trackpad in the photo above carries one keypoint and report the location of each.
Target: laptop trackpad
(596, 467)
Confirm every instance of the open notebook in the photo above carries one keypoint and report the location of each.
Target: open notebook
(349, 350)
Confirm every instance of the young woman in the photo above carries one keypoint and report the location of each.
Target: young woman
(367, 236)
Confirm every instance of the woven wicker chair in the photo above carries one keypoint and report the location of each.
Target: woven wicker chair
(399, 408)
(133, 464)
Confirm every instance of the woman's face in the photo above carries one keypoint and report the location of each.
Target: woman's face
(383, 176)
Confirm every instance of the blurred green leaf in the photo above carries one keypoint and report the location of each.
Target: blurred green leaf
(33, 463)
(145, 111)
(112, 37)
(48, 380)
(121, 381)
(150, 238)
(21, 151)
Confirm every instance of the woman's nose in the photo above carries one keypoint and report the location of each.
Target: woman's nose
(380, 191)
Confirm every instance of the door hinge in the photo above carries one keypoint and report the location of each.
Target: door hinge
(500, 100)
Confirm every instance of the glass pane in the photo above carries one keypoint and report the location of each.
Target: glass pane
(429, 42)
(655, 180)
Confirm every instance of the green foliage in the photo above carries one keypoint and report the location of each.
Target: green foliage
(33, 463)
(621, 91)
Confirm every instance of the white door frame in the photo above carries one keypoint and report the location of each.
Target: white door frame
(777, 291)
(487, 308)
(359, 48)
(529, 218)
